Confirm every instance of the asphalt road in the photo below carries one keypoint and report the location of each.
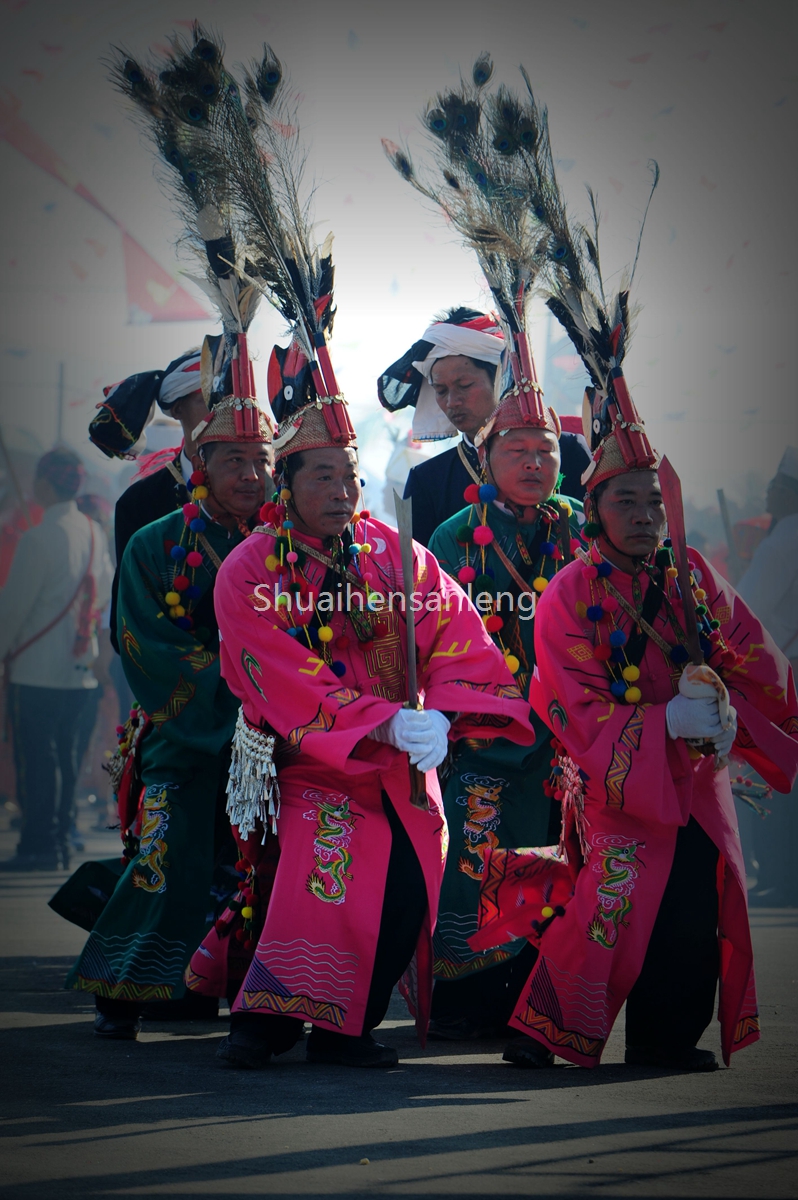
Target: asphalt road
(159, 1117)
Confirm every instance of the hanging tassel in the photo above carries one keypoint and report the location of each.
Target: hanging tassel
(252, 791)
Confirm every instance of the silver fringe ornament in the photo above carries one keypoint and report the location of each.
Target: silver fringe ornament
(252, 791)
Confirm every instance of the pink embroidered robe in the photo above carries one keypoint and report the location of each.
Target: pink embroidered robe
(315, 955)
(639, 787)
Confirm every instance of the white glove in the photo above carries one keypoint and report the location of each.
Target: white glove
(421, 733)
(696, 720)
(723, 741)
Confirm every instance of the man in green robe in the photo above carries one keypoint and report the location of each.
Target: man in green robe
(503, 548)
(169, 644)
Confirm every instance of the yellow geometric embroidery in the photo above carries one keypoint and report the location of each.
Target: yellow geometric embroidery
(580, 652)
(199, 658)
(723, 613)
(175, 704)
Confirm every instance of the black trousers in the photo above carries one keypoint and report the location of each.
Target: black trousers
(403, 910)
(45, 725)
(486, 997)
(673, 1000)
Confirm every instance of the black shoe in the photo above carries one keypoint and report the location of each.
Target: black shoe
(244, 1051)
(686, 1058)
(120, 1029)
(30, 862)
(343, 1051)
(526, 1052)
(191, 1007)
(462, 1029)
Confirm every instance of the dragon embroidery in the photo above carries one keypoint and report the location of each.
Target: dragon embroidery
(618, 867)
(250, 664)
(153, 846)
(483, 816)
(335, 825)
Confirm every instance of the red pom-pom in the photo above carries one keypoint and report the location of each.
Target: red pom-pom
(191, 511)
(242, 866)
(194, 559)
(266, 513)
(241, 935)
(590, 572)
(367, 645)
(471, 494)
(365, 514)
(220, 927)
(466, 574)
(575, 545)
(279, 511)
(249, 944)
(181, 582)
(603, 652)
(197, 478)
(342, 642)
(483, 535)
(494, 623)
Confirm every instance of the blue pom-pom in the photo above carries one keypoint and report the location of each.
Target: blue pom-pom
(548, 548)
(667, 542)
(313, 634)
(177, 552)
(192, 592)
(487, 493)
(604, 569)
(706, 646)
(354, 549)
(618, 655)
(618, 687)
(288, 524)
(556, 770)
(183, 622)
(595, 612)
(197, 525)
(679, 654)
(339, 669)
(618, 638)
(293, 631)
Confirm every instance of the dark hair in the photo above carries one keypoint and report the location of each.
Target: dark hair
(63, 470)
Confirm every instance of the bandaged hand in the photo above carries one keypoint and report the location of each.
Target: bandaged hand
(695, 720)
(421, 733)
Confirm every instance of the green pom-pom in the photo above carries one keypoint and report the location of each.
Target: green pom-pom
(464, 534)
(591, 529)
(701, 610)
(714, 623)
(484, 583)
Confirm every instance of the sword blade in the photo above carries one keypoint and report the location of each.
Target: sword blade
(672, 495)
(404, 523)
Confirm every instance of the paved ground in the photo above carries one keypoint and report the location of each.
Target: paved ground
(158, 1118)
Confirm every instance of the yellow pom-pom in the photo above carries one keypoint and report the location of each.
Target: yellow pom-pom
(180, 610)
(172, 598)
(581, 608)
(247, 913)
(355, 518)
(271, 562)
(631, 673)
(200, 492)
(282, 601)
(285, 493)
(325, 634)
(566, 508)
(633, 695)
(671, 572)
(547, 912)
(513, 664)
(700, 595)
(173, 613)
(540, 584)
(366, 548)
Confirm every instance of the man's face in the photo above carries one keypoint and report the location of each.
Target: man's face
(325, 491)
(782, 498)
(524, 464)
(463, 391)
(632, 513)
(237, 476)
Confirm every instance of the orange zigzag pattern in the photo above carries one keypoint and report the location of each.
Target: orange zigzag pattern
(621, 764)
(590, 1047)
(178, 700)
(314, 1010)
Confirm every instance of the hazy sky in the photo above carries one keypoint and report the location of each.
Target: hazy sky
(706, 88)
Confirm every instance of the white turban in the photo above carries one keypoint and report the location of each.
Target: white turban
(430, 423)
(180, 382)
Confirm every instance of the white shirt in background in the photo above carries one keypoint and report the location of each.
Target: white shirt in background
(48, 565)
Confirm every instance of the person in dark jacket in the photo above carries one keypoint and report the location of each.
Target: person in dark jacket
(454, 377)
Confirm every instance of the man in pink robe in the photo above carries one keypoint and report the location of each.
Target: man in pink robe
(658, 913)
(356, 889)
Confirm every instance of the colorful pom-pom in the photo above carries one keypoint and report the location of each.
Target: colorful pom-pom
(594, 612)
(247, 912)
(487, 493)
(285, 493)
(181, 582)
(365, 514)
(339, 669)
(591, 529)
(325, 634)
(194, 559)
(271, 562)
(199, 493)
(679, 654)
(291, 556)
(548, 548)
(633, 695)
(493, 623)
(197, 525)
(590, 572)
(471, 494)
(540, 584)
(512, 663)
(602, 652)
(464, 534)
(575, 545)
(177, 553)
(365, 548)
(671, 572)
(483, 535)
(604, 569)
(618, 638)
(546, 912)
(631, 673)
(483, 583)
(288, 525)
(354, 549)
(466, 575)
(196, 478)
(618, 688)
(292, 631)
(342, 642)
(609, 604)
(183, 622)
(190, 511)
(172, 598)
